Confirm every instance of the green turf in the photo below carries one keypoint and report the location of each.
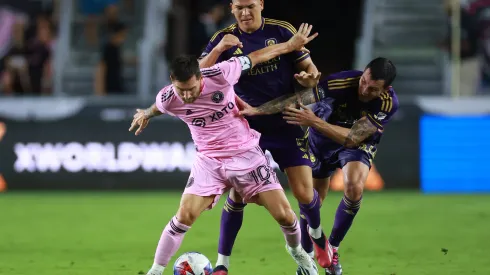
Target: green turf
(116, 233)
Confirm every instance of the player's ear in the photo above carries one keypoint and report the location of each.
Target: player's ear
(261, 5)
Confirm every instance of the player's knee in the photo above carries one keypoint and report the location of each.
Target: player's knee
(353, 190)
(302, 191)
(187, 215)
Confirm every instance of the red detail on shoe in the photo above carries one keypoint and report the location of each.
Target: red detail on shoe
(323, 257)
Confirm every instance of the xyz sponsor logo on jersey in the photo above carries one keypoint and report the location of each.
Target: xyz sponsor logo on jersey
(202, 121)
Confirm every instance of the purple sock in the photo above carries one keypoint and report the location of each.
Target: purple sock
(306, 242)
(231, 222)
(344, 216)
(311, 211)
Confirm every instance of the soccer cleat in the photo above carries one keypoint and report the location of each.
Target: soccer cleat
(220, 270)
(335, 268)
(154, 272)
(323, 251)
(306, 265)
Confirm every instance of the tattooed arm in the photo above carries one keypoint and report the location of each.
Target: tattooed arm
(305, 96)
(142, 117)
(350, 138)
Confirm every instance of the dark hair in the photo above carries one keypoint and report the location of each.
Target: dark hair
(183, 67)
(382, 69)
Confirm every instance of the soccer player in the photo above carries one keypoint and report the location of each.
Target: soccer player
(345, 126)
(228, 149)
(265, 82)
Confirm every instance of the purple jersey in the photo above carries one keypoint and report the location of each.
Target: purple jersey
(339, 104)
(268, 80)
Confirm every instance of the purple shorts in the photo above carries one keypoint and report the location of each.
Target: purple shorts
(287, 149)
(327, 156)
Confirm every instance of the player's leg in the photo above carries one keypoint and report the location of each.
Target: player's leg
(205, 185)
(293, 156)
(355, 175)
(355, 167)
(262, 186)
(231, 222)
(191, 206)
(276, 203)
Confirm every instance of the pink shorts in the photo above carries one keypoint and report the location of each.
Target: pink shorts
(249, 173)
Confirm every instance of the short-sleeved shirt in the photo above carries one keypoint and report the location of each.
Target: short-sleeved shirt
(339, 104)
(268, 80)
(213, 120)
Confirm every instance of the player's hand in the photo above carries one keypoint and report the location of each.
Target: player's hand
(140, 121)
(308, 80)
(229, 41)
(304, 117)
(244, 108)
(301, 38)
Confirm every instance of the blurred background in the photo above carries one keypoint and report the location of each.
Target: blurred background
(72, 73)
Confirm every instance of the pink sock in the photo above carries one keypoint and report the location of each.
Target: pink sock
(170, 241)
(292, 234)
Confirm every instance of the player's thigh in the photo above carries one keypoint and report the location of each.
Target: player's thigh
(207, 179)
(191, 206)
(322, 185)
(276, 202)
(251, 174)
(301, 182)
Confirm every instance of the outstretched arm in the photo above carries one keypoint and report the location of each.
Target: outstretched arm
(353, 137)
(296, 43)
(350, 138)
(305, 96)
(142, 118)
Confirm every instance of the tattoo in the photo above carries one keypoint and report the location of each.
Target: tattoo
(360, 131)
(279, 104)
(152, 111)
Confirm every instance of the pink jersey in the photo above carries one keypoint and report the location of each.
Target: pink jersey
(216, 129)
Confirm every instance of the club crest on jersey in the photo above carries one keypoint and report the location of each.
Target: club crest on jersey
(270, 42)
(380, 116)
(217, 97)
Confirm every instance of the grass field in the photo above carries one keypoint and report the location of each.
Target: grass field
(116, 233)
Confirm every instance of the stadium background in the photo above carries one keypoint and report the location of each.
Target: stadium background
(69, 139)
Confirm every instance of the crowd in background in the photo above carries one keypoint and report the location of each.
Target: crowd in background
(28, 30)
(27, 39)
(474, 45)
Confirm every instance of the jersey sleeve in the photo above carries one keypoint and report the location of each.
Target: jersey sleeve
(163, 98)
(213, 42)
(287, 31)
(383, 110)
(233, 68)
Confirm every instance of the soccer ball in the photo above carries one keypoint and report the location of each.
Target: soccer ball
(193, 263)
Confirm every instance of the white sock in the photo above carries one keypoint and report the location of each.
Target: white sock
(335, 247)
(156, 269)
(315, 233)
(223, 260)
(312, 254)
(296, 249)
